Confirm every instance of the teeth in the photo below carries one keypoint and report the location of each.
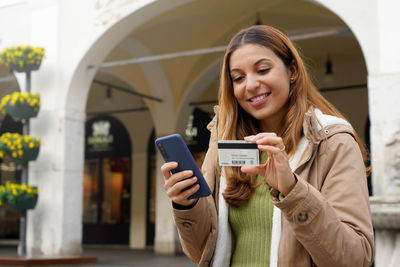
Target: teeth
(258, 98)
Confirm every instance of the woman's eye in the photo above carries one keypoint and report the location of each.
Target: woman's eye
(237, 79)
(263, 71)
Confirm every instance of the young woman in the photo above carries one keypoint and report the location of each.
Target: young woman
(307, 204)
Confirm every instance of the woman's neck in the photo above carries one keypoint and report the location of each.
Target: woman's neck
(273, 123)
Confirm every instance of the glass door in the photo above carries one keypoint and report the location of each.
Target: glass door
(106, 201)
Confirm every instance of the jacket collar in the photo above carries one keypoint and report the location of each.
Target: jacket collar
(318, 127)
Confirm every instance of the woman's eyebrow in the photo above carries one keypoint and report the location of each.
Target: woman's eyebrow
(236, 69)
(261, 60)
(255, 64)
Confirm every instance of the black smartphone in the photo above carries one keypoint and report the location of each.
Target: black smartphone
(173, 148)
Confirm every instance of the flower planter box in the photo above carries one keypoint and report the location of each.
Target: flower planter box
(20, 148)
(22, 58)
(18, 197)
(22, 111)
(21, 105)
(24, 202)
(25, 68)
(29, 154)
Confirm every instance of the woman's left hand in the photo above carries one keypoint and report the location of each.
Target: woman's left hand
(276, 170)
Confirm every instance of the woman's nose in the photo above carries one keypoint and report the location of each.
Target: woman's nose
(252, 82)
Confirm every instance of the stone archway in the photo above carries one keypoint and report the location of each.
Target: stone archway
(70, 116)
(63, 173)
(196, 89)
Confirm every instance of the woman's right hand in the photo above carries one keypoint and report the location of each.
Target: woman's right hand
(174, 184)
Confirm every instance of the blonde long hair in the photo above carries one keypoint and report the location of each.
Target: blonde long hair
(234, 123)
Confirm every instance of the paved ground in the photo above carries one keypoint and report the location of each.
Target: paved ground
(127, 257)
(122, 256)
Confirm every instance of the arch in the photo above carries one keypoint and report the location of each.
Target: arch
(77, 92)
(164, 116)
(71, 117)
(361, 26)
(196, 89)
(154, 73)
(115, 75)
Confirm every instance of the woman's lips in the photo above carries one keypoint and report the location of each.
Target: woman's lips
(259, 100)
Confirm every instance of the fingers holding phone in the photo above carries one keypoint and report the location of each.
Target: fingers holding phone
(179, 186)
(180, 165)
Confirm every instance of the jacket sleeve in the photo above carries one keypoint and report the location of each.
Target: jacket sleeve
(197, 227)
(334, 224)
(197, 230)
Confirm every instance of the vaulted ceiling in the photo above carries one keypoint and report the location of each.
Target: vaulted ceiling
(205, 24)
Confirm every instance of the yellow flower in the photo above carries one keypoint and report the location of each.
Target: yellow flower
(31, 145)
(25, 54)
(14, 154)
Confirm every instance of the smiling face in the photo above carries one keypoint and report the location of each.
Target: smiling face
(261, 83)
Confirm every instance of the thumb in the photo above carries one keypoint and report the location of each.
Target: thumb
(260, 170)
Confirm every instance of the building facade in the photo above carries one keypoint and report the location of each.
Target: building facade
(106, 58)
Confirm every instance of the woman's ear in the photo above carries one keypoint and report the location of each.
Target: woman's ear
(292, 72)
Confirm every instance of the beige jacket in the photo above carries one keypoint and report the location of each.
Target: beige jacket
(326, 219)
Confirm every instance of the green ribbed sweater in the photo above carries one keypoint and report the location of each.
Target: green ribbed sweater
(251, 224)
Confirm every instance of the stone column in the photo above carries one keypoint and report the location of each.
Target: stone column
(138, 201)
(55, 225)
(165, 238)
(386, 220)
(384, 96)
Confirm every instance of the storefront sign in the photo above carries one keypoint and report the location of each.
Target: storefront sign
(101, 139)
(106, 136)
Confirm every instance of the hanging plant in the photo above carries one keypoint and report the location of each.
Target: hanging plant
(3, 150)
(20, 148)
(22, 58)
(21, 105)
(18, 197)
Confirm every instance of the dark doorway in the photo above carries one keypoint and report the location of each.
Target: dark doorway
(151, 191)
(107, 182)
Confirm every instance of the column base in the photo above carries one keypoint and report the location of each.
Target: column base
(27, 261)
(164, 248)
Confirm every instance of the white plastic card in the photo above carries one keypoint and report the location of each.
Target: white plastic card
(237, 153)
